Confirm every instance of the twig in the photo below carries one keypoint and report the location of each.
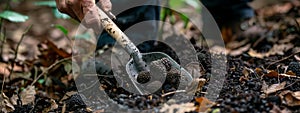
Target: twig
(2, 41)
(3, 84)
(50, 67)
(292, 84)
(298, 25)
(17, 49)
(173, 92)
(283, 59)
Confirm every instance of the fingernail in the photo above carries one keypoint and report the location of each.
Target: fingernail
(112, 15)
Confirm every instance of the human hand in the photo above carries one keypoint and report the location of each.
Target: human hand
(85, 11)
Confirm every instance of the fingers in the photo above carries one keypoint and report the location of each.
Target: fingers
(105, 5)
(85, 11)
(89, 10)
(91, 17)
(66, 6)
(87, 5)
(61, 5)
(75, 9)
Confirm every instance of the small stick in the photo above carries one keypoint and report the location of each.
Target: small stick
(3, 84)
(298, 25)
(282, 59)
(2, 42)
(292, 84)
(17, 49)
(50, 67)
(173, 92)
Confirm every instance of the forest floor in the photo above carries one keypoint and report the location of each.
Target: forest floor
(262, 69)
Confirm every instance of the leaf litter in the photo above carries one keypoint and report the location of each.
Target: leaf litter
(250, 75)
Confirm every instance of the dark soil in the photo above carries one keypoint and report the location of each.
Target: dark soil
(242, 92)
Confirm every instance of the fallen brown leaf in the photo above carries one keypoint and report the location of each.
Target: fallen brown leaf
(14, 99)
(291, 98)
(276, 50)
(53, 106)
(272, 74)
(259, 71)
(290, 73)
(267, 10)
(276, 109)
(60, 52)
(240, 51)
(273, 88)
(5, 105)
(196, 85)
(28, 95)
(67, 95)
(236, 44)
(204, 104)
(3, 70)
(50, 53)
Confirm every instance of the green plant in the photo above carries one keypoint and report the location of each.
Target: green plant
(13, 16)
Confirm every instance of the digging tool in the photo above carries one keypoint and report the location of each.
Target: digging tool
(139, 61)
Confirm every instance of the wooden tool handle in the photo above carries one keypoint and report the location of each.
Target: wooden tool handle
(122, 39)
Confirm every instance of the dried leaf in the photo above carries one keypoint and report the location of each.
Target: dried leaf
(240, 51)
(28, 95)
(179, 108)
(291, 98)
(259, 71)
(67, 95)
(272, 74)
(291, 73)
(196, 85)
(53, 104)
(246, 74)
(14, 99)
(237, 44)
(273, 88)
(50, 52)
(63, 110)
(287, 39)
(3, 69)
(58, 51)
(276, 50)
(204, 104)
(271, 9)
(253, 53)
(52, 107)
(5, 105)
(276, 109)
